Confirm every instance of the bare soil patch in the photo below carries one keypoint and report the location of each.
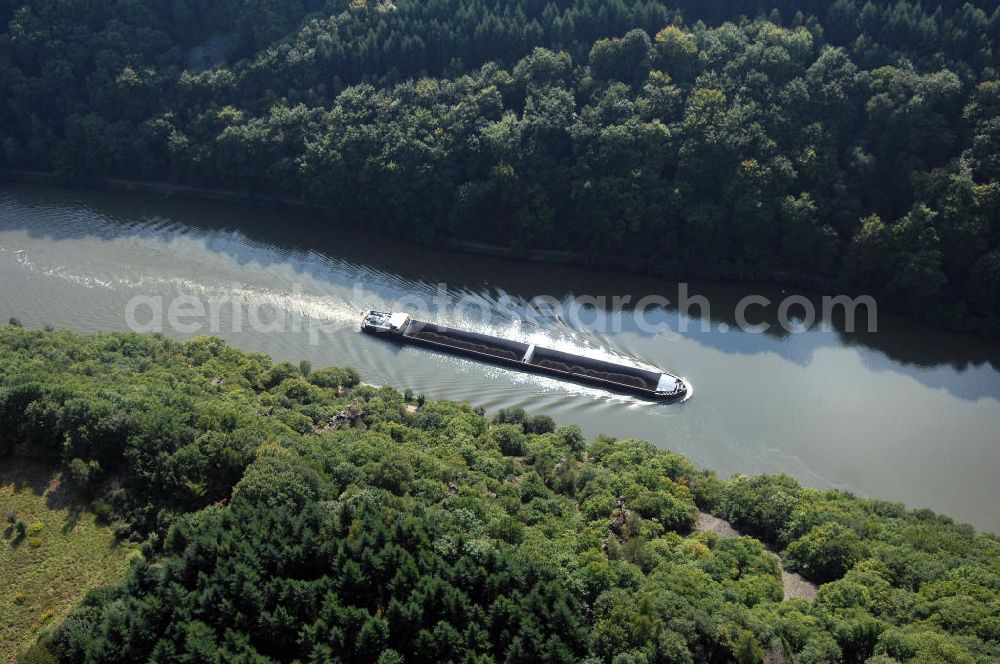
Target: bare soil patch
(794, 584)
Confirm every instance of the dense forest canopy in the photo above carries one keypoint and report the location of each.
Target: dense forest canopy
(292, 514)
(856, 141)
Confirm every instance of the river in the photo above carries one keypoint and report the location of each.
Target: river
(907, 413)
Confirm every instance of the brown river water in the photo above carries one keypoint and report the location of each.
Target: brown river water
(906, 413)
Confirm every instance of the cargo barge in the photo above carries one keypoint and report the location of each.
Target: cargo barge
(647, 383)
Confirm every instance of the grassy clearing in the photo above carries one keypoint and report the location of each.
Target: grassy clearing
(47, 570)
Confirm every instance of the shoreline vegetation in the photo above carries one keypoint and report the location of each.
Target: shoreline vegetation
(854, 142)
(303, 206)
(282, 512)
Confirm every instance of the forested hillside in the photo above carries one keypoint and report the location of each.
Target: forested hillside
(854, 141)
(291, 514)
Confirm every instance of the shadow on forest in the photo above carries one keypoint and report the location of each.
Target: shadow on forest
(42, 480)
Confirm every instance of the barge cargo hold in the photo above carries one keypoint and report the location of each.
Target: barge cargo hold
(648, 383)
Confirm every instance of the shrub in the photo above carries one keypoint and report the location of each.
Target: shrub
(393, 474)
(761, 505)
(826, 552)
(279, 373)
(36, 527)
(102, 511)
(598, 506)
(84, 474)
(539, 424)
(506, 528)
(34, 542)
(510, 416)
(916, 643)
(747, 649)
(390, 657)
(510, 438)
(707, 490)
(334, 377)
(572, 436)
(37, 654)
(21, 527)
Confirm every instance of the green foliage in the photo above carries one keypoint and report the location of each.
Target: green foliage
(852, 141)
(44, 576)
(332, 377)
(84, 474)
(826, 552)
(761, 505)
(37, 654)
(539, 424)
(374, 534)
(102, 510)
(177, 450)
(511, 416)
(509, 438)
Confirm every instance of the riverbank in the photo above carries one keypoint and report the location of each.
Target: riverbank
(830, 414)
(331, 478)
(631, 264)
